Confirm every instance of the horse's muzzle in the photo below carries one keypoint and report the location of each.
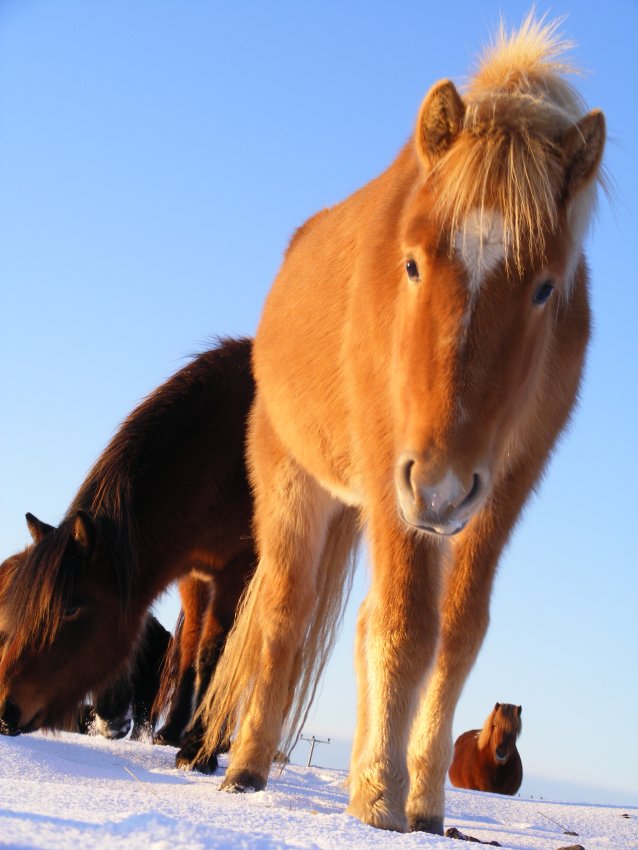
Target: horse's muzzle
(443, 508)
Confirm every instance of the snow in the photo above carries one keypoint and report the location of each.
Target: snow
(69, 791)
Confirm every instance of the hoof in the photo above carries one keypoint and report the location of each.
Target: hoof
(244, 780)
(186, 761)
(168, 737)
(113, 729)
(142, 732)
(432, 825)
(377, 814)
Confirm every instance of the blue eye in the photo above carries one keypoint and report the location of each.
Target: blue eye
(412, 271)
(542, 294)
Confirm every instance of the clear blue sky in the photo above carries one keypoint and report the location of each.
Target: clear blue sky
(155, 158)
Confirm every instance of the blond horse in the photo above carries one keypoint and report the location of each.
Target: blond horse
(417, 358)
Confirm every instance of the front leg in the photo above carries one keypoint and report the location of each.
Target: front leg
(251, 688)
(396, 639)
(464, 622)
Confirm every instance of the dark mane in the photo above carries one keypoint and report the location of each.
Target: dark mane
(112, 493)
(112, 486)
(37, 590)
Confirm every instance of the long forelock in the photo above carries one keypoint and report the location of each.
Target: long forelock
(507, 158)
(505, 718)
(37, 588)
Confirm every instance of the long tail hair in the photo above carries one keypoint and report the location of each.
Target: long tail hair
(231, 688)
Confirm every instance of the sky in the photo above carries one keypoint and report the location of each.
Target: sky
(70, 791)
(156, 156)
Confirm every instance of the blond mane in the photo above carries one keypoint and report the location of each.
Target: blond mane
(508, 157)
(503, 716)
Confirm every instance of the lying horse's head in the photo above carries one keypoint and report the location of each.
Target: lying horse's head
(494, 285)
(63, 629)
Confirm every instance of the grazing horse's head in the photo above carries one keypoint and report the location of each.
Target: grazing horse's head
(500, 731)
(494, 278)
(63, 629)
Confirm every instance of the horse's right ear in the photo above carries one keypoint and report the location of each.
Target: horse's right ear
(440, 121)
(84, 530)
(37, 528)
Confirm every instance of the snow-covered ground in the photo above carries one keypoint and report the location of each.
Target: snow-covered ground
(69, 791)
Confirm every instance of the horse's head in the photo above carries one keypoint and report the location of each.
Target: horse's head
(63, 629)
(500, 731)
(494, 287)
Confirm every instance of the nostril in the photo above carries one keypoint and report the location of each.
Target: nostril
(408, 466)
(474, 490)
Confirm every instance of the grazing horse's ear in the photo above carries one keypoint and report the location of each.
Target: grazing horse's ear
(84, 530)
(519, 710)
(37, 528)
(583, 146)
(440, 121)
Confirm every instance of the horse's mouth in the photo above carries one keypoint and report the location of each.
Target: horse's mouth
(449, 529)
(32, 726)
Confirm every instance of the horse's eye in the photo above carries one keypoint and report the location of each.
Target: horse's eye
(71, 613)
(412, 270)
(541, 295)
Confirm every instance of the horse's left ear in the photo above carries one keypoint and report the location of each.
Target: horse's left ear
(440, 121)
(583, 146)
(519, 710)
(37, 528)
(84, 531)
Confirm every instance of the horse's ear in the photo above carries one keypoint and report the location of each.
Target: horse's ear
(583, 146)
(37, 528)
(497, 706)
(84, 530)
(440, 121)
(519, 710)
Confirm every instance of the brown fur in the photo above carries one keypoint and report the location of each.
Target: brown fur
(168, 495)
(408, 370)
(487, 759)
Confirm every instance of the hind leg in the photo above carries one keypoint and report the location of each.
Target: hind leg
(228, 585)
(396, 638)
(195, 598)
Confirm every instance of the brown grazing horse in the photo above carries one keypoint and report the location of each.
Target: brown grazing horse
(487, 759)
(168, 497)
(417, 358)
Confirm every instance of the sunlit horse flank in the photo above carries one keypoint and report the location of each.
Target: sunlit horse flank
(168, 496)
(487, 759)
(418, 355)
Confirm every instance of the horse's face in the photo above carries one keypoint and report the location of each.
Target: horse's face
(474, 334)
(60, 617)
(505, 729)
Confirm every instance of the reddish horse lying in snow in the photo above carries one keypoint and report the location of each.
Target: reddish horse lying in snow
(417, 358)
(487, 759)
